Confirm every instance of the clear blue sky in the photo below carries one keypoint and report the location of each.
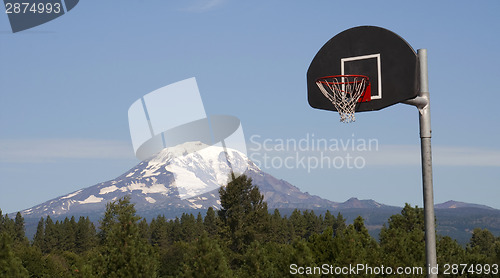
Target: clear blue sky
(66, 86)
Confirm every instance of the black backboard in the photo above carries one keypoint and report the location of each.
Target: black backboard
(387, 59)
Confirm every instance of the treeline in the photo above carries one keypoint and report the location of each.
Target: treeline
(242, 239)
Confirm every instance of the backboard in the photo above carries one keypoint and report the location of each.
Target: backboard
(387, 59)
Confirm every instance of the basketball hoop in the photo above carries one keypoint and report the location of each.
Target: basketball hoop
(345, 91)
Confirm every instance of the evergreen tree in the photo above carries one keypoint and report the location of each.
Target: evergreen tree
(354, 245)
(199, 220)
(159, 232)
(50, 236)
(10, 265)
(300, 254)
(205, 258)
(174, 230)
(144, 229)
(243, 212)
(278, 232)
(481, 250)
(1, 222)
(38, 239)
(323, 246)
(497, 250)
(34, 261)
(262, 260)
(19, 236)
(448, 250)
(312, 223)
(8, 225)
(173, 257)
(188, 227)
(403, 242)
(339, 224)
(210, 222)
(482, 242)
(67, 234)
(124, 253)
(328, 221)
(298, 223)
(85, 235)
(364, 237)
(199, 227)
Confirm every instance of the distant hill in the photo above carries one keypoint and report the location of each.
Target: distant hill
(459, 223)
(454, 204)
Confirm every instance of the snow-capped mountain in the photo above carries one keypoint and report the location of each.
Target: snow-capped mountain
(184, 177)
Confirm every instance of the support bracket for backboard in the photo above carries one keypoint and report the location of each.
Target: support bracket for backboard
(420, 101)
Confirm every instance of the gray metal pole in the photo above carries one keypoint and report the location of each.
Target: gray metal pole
(425, 143)
(422, 102)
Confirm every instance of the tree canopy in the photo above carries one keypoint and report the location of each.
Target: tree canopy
(240, 239)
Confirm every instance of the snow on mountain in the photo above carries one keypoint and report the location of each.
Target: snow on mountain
(171, 178)
(187, 176)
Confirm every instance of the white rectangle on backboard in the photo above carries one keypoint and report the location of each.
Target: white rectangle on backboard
(379, 71)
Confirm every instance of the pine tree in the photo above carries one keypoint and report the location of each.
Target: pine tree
(339, 225)
(300, 254)
(481, 248)
(38, 239)
(144, 229)
(10, 265)
(210, 222)
(402, 243)
(448, 250)
(205, 258)
(482, 242)
(199, 227)
(497, 250)
(1, 222)
(243, 212)
(173, 258)
(278, 232)
(328, 221)
(263, 260)
(159, 234)
(50, 237)
(8, 225)
(298, 223)
(312, 222)
(188, 227)
(19, 235)
(34, 261)
(67, 233)
(354, 245)
(124, 253)
(85, 235)
(323, 246)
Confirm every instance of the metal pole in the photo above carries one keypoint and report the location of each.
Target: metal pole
(422, 102)
(425, 144)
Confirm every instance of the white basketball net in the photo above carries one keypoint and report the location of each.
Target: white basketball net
(344, 92)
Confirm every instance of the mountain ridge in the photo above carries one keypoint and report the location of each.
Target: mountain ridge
(188, 176)
(187, 180)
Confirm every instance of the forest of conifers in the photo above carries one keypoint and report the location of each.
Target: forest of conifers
(241, 239)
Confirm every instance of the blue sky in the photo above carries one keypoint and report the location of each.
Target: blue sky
(66, 86)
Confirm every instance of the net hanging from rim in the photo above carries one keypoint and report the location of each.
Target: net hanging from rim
(345, 91)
